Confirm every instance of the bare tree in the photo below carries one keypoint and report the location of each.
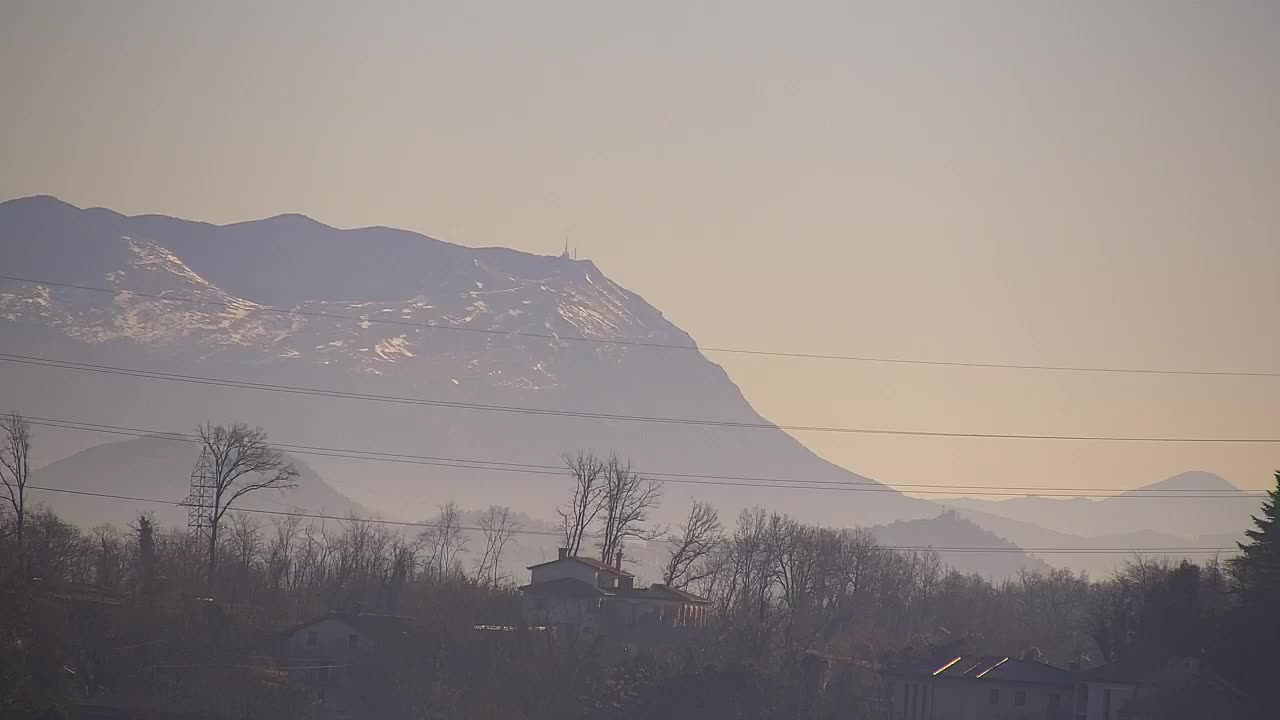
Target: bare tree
(241, 462)
(584, 506)
(498, 526)
(445, 541)
(687, 558)
(15, 471)
(624, 508)
(280, 550)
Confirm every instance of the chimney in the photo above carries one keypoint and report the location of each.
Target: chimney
(617, 561)
(562, 553)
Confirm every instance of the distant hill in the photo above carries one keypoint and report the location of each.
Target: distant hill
(485, 347)
(1175, 516)
(1002, 560)
(155, 467)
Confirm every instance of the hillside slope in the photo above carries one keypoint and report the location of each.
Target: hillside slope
(435, 329)
(156, 467)
(985, 553)
(1134, 510)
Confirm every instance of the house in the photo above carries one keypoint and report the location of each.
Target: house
(587, 594)
(318, 649)
(1129, 690)
(979, 688)
(1102, 692)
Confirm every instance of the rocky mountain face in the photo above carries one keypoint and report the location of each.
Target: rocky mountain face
(476, 357)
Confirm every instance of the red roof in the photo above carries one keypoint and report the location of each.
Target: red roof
(592, 562)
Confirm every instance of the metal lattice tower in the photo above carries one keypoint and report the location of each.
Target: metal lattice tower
(200, 500)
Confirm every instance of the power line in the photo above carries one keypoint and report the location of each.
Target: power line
(551, 533)
(401, 400)
(638, 342)
(504, 466)
(682, 478)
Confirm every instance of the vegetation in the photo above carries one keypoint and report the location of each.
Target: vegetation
(803, 617)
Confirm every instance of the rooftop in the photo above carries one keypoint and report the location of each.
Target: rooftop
(658, 591)
(592, 562)
(374, 625)
(565, 587)
(985, 667)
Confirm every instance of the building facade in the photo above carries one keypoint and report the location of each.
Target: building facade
(979, 688)
(590, 595)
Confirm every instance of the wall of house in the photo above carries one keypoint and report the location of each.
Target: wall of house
(1096, 705)
(333, 641)
(1036, 704)
(569, 611)
(645, 611)
(559, 570)
(956, 699)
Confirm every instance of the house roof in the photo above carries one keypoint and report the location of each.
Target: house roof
(658, 591)
(1127, 672)
(592, 562)
(1200, 692)
(565, 587)
(985, 667)
(376, 626)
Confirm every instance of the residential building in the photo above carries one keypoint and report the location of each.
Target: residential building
(979, 688)
(318, 650)
(587, 594)
(1181, 689)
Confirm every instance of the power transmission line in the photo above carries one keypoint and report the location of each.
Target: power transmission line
(552, 533)
(638, 342)
(401, 400)
(683, 478)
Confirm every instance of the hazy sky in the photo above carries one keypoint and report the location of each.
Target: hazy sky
(1093, 183)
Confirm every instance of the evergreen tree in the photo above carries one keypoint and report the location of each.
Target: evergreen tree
(1257, 569)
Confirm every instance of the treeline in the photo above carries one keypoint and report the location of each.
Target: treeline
(784, 593)
(803, 615)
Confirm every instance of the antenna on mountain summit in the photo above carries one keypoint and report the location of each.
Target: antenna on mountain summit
(568, 254)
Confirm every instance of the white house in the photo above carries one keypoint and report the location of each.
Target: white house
(318, 647)
(587, 594)
(979, 688)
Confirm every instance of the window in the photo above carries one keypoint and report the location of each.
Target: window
(924, 701)
(993, 696)
(1020, 698)
(1055, 702)
(353, 641)
(313, 638)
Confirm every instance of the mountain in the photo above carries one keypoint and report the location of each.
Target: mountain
(158, 467)
(475, 355)
(985, 553)
(1135, 510)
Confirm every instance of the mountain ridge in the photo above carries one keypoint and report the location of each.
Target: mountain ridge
(1140, 509)
(249, 267)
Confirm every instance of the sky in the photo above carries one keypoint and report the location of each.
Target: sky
(1086, 183)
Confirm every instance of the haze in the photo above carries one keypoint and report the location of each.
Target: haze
(1044, 183)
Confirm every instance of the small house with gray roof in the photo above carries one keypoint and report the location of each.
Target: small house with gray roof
(973, 687)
